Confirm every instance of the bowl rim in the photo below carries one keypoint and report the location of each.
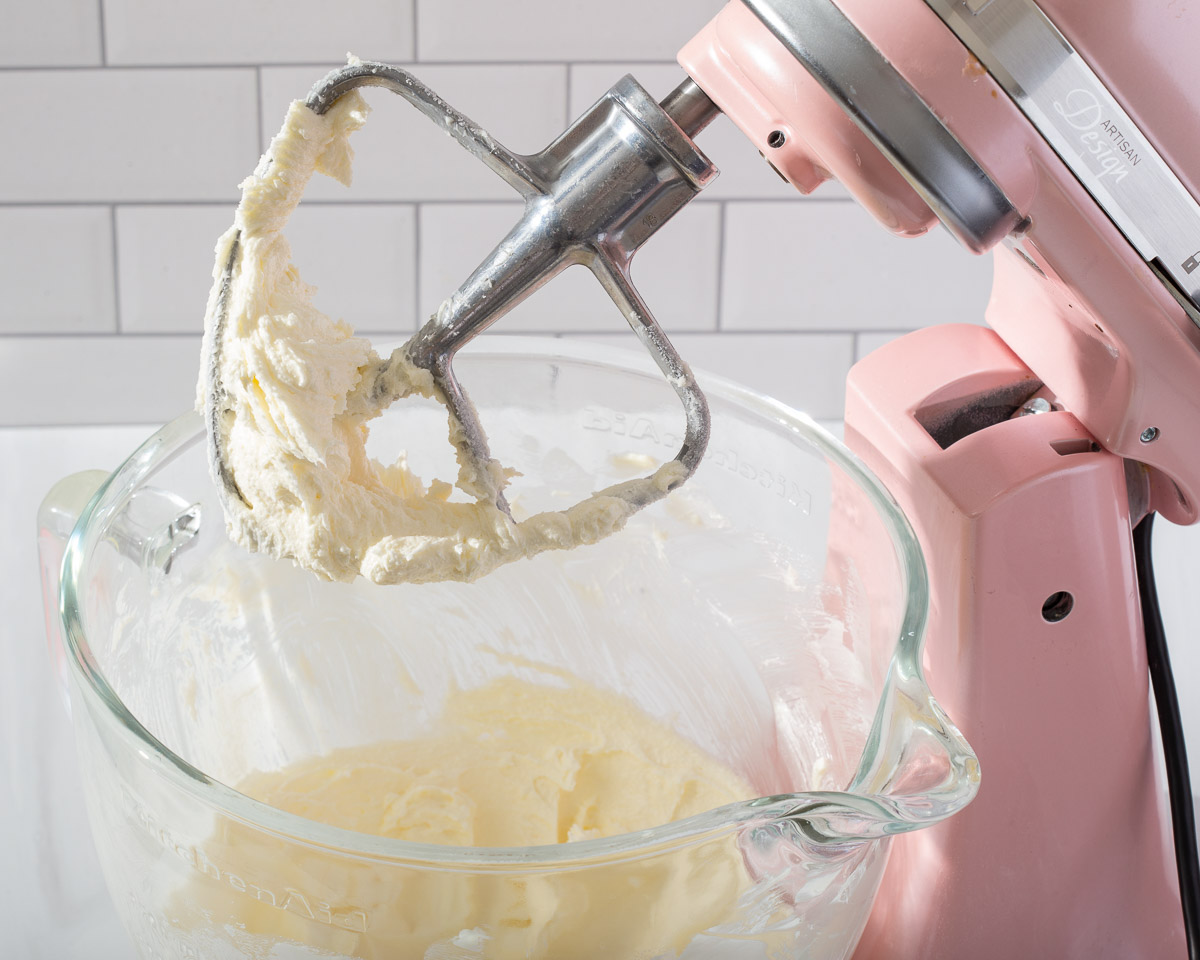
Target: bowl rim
(864, 816)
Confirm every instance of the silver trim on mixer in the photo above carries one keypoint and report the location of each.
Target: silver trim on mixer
(1085, 125)
(891, 113)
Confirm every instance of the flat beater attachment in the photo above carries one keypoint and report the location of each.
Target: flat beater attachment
(594, 196)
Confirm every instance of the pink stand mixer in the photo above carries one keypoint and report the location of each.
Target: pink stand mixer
(1030, 456)
(1025, 454)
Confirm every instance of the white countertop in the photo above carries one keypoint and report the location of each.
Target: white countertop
(53, 905)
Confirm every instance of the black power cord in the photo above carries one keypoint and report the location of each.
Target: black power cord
(1178, 781)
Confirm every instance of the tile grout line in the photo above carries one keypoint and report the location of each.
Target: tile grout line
(351, 202)
(116, 267)
(79, 424)
(106, 335)
(258, 95)
(103, 42)
(727, 334)
(418, 229)
(720, 293)
(416, 25)
(590, 332)
(567, 107)
(327, 65)
(152, 426)
(854, 347)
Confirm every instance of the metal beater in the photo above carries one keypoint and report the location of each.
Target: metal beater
(593, 196)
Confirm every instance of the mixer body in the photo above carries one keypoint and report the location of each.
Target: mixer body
(1050, 135)
(1036, 641)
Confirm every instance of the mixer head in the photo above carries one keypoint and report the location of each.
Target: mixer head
(592, 197)
(1065, 157)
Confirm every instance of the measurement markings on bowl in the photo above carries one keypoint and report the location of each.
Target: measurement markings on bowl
(155, 938)
(289, 898)
(644, 429)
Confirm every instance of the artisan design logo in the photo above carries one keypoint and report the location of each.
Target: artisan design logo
(1100, 137)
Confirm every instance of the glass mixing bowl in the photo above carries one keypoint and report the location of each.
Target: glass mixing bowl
(771, 611)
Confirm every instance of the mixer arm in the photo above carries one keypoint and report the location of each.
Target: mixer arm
(983, 115)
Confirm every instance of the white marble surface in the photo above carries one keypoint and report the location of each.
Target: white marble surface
(53, 905)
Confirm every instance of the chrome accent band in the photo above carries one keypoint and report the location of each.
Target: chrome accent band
(883, 105)
(1085, 125)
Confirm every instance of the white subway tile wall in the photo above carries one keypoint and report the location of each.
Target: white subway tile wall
(456, 30)
(40, 296)
(98, 379)
(160, 248)
(362, 260)
(811, 379)
(126, 135)
(51, 33)
(827, 265)
(137, 119)
(165, 33)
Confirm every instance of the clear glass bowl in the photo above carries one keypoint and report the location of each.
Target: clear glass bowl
(771, 612)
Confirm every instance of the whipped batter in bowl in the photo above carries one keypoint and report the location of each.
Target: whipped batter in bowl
(513, 764)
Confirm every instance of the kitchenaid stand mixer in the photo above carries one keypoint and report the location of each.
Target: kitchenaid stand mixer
(1024, 454)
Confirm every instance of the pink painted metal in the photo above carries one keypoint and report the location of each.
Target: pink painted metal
(1107, 337)
(1098, 327)
(752, 77)
(1066, 851)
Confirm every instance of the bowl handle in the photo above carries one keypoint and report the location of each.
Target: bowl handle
(57, 517)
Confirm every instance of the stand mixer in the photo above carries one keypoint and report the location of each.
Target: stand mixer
(1025, 455)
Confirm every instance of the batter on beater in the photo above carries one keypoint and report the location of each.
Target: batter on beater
(293, 416)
